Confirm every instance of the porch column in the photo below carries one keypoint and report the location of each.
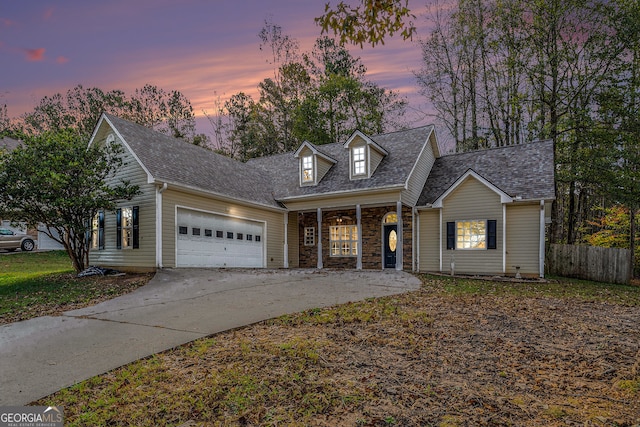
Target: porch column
(319, 237)
(400, 239)
(286, 240)
(359, 224)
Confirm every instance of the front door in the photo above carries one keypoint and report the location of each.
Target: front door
(390, 245)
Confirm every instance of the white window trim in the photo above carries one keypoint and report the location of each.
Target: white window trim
(313, 168)
(458, 247)
(351, 242)
(352, 163)
(126, 243)
(95, 232)
(363, 160)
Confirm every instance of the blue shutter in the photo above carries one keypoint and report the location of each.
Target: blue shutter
(136, 228)
(451, 235)
(101, 230)
(119, 228)
(492, 226)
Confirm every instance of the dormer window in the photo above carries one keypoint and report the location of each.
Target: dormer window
(313, 164)
(365, 155)
(359, 165)
(307, 169)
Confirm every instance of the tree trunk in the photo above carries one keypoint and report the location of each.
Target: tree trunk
(571, 216)
(632, 234)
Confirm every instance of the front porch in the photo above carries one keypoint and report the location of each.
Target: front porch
(359, 237)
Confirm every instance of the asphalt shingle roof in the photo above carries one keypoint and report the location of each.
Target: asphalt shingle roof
(403, 148)
(175, 161)
(525, 170)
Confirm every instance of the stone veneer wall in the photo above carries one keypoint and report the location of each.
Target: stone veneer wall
(371, 237)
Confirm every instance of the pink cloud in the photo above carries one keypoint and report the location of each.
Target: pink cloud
(47, 14)
(62, 60)
(35, 54)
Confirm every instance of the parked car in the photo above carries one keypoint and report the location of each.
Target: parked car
(12, 241)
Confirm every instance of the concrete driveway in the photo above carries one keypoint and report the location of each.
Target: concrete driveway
(40, 356)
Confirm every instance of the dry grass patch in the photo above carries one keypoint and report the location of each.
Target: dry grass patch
(434, 357)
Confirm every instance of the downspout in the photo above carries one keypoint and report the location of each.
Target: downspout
(159, 224)
(542, 236)
(286, 239)
(415, 241)
(440, 238)
(504, 239)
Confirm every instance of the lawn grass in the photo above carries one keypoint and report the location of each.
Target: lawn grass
(397, 360)
(16, 268)
(44, 283)
(554, 287)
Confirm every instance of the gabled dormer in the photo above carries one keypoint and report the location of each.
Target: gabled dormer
(364, 155)
(313, 164)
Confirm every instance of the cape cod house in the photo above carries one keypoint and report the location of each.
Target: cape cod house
(370, 202)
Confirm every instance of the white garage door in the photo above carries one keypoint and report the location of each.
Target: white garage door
(210, 240)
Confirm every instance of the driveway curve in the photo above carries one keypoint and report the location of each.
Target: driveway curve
(43, 355)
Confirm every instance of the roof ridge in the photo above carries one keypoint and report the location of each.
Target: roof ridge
(513, 146)
(400, 130)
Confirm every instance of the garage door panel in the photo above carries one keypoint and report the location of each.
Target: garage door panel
(210, 240)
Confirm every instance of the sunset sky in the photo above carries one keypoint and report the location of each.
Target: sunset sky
(203, 48)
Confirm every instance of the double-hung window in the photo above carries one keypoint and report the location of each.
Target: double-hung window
(97, 231)
(127, 228)
(343, 240)
(472, 234)
(359, 166)
(307, 169)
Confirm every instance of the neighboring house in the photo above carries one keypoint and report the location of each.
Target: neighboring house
(44, 242)
(372, 202)
(9, 144)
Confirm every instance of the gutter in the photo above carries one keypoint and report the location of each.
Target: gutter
(342, 192)
(251, 203)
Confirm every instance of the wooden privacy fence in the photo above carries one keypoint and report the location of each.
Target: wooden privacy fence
(590, 262)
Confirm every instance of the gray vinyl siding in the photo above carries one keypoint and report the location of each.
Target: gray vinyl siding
(523, 237)
(323, 167)
(132, 259)
(418, 177)
(293, 238)
(429, 240)
(274, 223)
(472, 200)
(375, 159)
